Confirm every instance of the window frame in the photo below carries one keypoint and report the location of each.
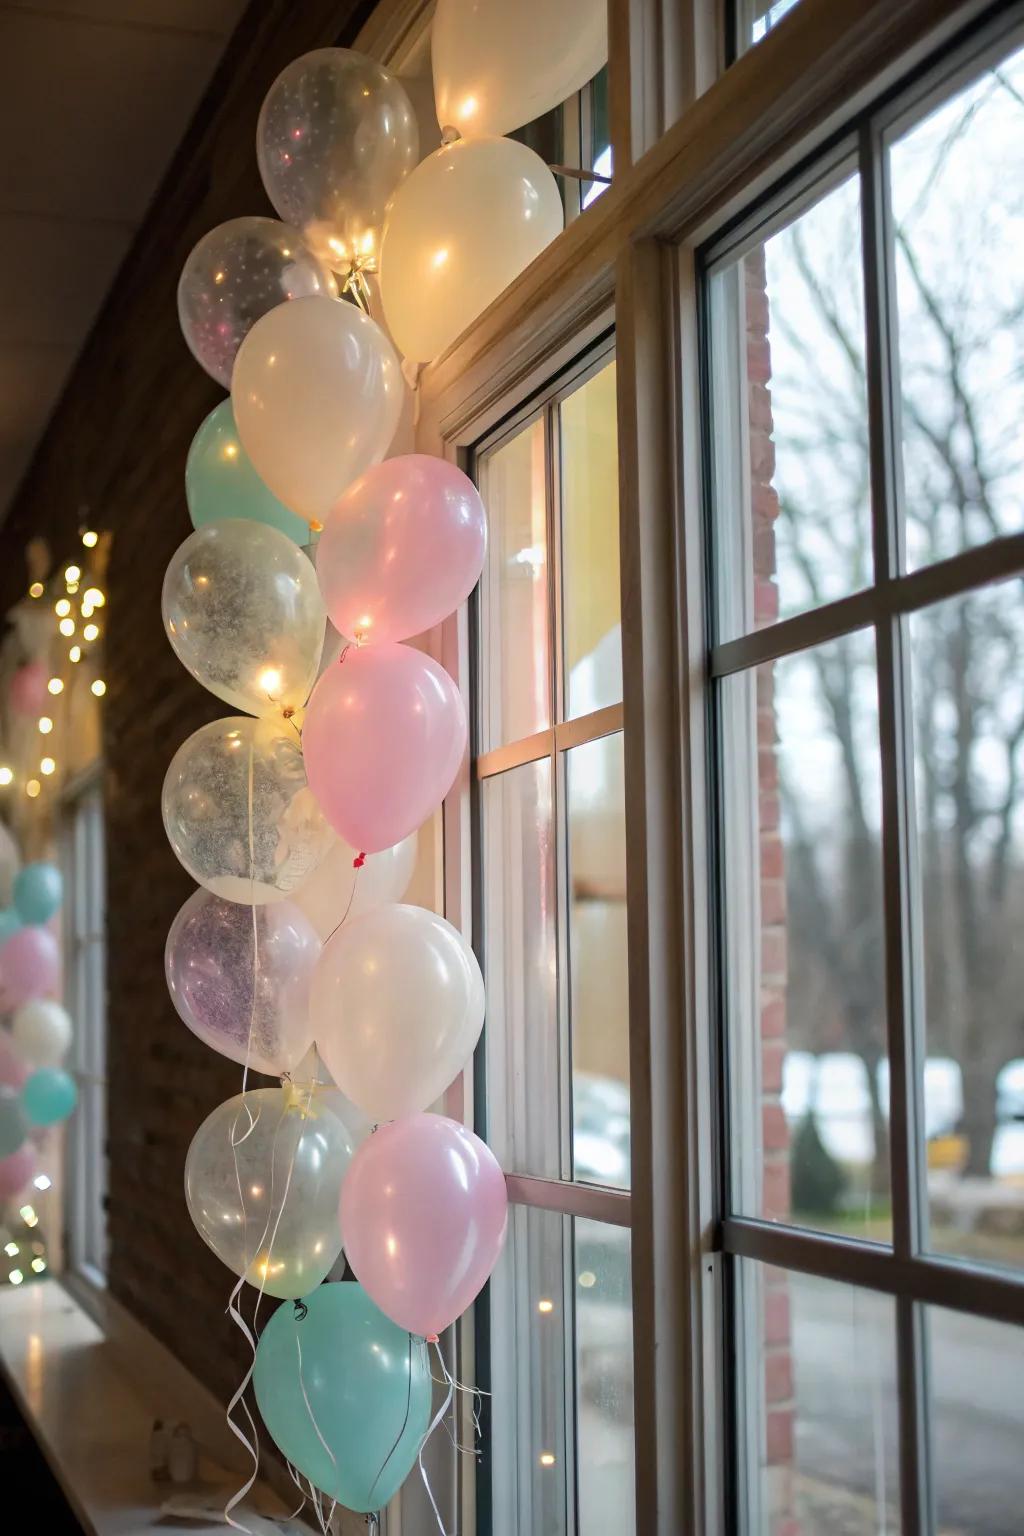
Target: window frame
(692, 153)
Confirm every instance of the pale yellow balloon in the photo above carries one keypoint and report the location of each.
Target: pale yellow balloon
(316, 393)
(498, 65)
(468, 220)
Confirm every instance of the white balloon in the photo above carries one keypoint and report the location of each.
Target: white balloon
(316, 394)
(498, 66)
(41, 1030)
(468, 220)
(397, 1006)
(336, 890)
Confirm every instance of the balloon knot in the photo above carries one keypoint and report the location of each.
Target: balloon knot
(316, 525)
(450, 135)
(432, 1338)
(300, 1311)
(288, 711)
(359, 861)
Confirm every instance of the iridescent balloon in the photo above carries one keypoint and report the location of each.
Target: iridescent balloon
(238, 811)
(240, 979)
(220, 480)
(236, 273)
(242, 608)
(336, 135)
(261, 1182)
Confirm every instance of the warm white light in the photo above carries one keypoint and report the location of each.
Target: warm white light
(270, 681)
(28, 1216)
(33, 788)
(47, 765)
(38, 1265)
(67, 627)
(62, 607)
(231, 450)
(42, 1181)
(94, 597)
(36, 589)
(75, 653)
(73, 573)
(90, 539)
(91, 632)
(11, 1250)
(440, 257)
(45, 725)
(545, 1306)
(99, 687)
(56, 685)
(587, 1279)
(547, 1459)
(15, 1277)
(6, 775)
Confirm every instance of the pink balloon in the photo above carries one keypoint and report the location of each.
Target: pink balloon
(423, 1214)
(16, 1170)
(403, 547)
(13, 1071)
(29, 965)
(383, 737)
(28, 689)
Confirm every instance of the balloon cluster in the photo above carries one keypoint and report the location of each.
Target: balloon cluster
(35, 1092)
(297, 814)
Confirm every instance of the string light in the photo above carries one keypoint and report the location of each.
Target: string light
(11, 1250)
(47, 765)
(36, 589)
(38, 1265)
(75, 653)
(545, 1306)
(15, 1277)
(547, 1459)
(45, 725)
(62, 607)
(90, 632)
(94, 597)
(28, 1216)
(42, 1181)
(6, 775)
(33, 788)
(90, 539)
(55, 685)
(73, 573)
(99, 687)
(72, 587)
(67, 627)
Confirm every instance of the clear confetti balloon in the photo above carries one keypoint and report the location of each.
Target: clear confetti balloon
(261, 1182)
(238, 812)
(236, 273)
(242, 609)
(336, 135)
(240, 978)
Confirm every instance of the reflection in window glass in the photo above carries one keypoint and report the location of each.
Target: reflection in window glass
(977, 1419)
(804, 939)
(598, 967)
(515, 690)
(958, 206)
(521, 1035)
(968, 719)
(590, 546)
(760, 16)
(562, 1382)
(819, 1381)
(793, 520)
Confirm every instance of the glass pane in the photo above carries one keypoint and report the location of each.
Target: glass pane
(590, 546)
(818, 1406)
(524, 1116)
(515, 684)
(958, 205)
(758, 18)
(562, 1379)
(595, 108)
(977, 1419)
(604, 1380)
(804, 940)
(598, 968)
(793, 522)
(968, 719)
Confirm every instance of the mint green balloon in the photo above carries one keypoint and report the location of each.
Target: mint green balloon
(220, 481)
(368, 1385)
(48, 1096)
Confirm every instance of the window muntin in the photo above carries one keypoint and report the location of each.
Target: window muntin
(914, 1076)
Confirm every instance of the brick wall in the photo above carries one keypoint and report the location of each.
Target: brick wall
(776, 1336)
(117, 447)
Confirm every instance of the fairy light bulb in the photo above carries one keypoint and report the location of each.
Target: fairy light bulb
(91, 632)
(99, 687)
(45, 725)
(38, 1266)
(73, 573)
(94, 597)
(90, 538)
(75, 653)
(15, 1277)
(28, 1216)
(33, 788)
(62, 607)
(6, 775)
(55, 685)
(67, 627)
(47, 766)
(36, 589)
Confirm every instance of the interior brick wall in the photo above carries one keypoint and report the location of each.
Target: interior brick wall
(114, 457)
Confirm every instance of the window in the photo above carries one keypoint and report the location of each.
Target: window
(865, 328)
(551, 876)
(85, 993)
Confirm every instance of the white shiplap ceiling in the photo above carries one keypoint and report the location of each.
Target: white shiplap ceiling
(95, 96)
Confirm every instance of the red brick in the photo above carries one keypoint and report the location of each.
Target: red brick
(775, 1199)
(780, 1436)
(773, 954)
(775, 1131)
(773, 1014)
(773, 902)
(772, 858)
(776, 1315)
(778, 1375)
(773, 1054)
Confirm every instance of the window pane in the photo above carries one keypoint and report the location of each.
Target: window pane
(968, 720)
(515, 682)
(590, 546)
(790, 419)
(818, 1384)
(524, 1080)
(598, 967)
(562, 1369)
(757, 18)
(958, 204)
(977, 1411)
(804, 940)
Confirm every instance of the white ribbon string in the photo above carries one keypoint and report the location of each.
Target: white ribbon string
(437, 1419)
(324, 1524)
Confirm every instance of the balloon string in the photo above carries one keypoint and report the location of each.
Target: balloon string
(348, 909)
(435, 1421)
(312, 1419)
(477, 1394)
(250, 794)
(405, 1422)
(238, 1400)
